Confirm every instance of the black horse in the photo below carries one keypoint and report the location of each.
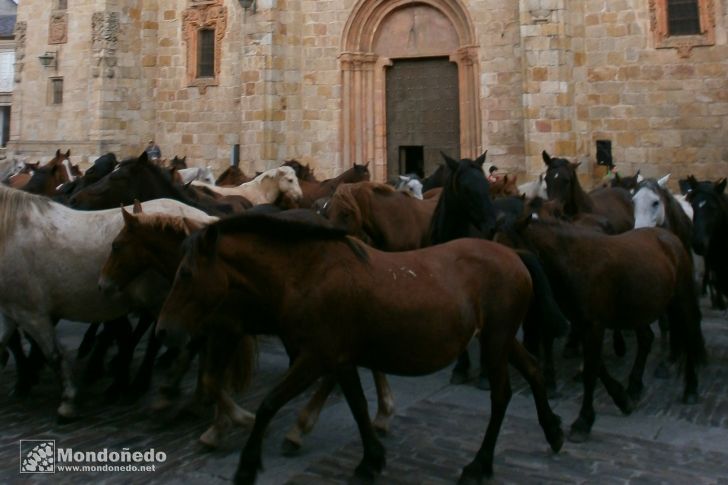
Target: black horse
(465, 209)
(710, 228)
(140, 179)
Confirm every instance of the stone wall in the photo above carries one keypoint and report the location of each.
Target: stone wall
(551, 74)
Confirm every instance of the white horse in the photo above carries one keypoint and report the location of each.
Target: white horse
(410, 184)
(37, 284)
(265, 188)
(534, 188)
(197, 173)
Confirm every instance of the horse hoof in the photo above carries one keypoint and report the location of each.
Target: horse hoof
(556, 437)
(290, 448)
(662, 371)
(578, 436)
(380, 427)
(690, 398)
(483, 383)
(626, 406)
(365, 472)
(473, 474)
(580, 430)
(458, 378)
(245, 477)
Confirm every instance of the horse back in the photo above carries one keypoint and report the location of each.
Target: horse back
(614, 203)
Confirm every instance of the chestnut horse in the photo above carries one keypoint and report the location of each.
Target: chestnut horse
(152, 243)
(625, 281)
(613, 205)
(312, 190)
(338, 304)
(381, 216)
(232, 177)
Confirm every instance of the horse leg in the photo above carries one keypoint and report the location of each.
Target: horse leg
(304, 371)
(662, 371)
(226, 412)
(89, 338)
(143, 377)
(24, 379)
(549, 370)
(500, 396)
(95, 366)
(550, 422)
(615, 390)
(461, 371)
(374, 455)
(593, 338)
(385, 403)
(645, 337)
(483, 382)
(308, 416)
(170, 388)
(618, 343)
(573, 341)
(42, 330)
(121, 363)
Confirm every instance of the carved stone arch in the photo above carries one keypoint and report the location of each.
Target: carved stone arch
(363, 62)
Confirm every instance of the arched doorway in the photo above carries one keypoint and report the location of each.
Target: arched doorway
(383, 36)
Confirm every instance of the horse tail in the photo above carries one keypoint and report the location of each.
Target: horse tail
(239, 372)
(544, 319)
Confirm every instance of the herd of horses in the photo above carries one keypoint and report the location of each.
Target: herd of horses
(349, 273)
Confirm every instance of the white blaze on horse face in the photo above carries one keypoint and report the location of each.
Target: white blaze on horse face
(67, 165)
(649, 211)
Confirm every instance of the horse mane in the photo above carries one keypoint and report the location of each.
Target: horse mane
(295, 224)
(15, 203)
(162, 222)
(160, 173)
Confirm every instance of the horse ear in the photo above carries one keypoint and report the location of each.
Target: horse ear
(137, 207)
(481, 159)
(129, 219)
(617, 178)
(143, 157)
(403, 178)
(546, 158)
(720, 186)
(58, 152)
(68, 153)
(575, 165)
(692, 183)
(663, 181)
(451, 164)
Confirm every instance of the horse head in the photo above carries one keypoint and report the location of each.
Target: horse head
(465, 201)
(649, 204)
(710, 211)
(288, 185)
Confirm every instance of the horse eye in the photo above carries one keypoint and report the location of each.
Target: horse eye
(655, 203)
(115, 246)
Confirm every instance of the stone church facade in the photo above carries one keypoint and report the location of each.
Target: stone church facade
(390, 82)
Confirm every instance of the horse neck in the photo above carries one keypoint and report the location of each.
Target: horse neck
(264, 190)
(448, 223)
(579, 199)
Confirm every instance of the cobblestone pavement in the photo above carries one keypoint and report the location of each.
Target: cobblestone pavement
(435, 433)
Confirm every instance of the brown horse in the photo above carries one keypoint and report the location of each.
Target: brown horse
(625, 281)
(19, 179)
(338, 304)
(381, 216)
(232, 177)
(46, 179)
(389, 220)
(313, 191)
(612, 205)
(152, 242)
(303, 172)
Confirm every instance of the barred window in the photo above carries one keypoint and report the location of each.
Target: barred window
(683, 17)
(206, 53)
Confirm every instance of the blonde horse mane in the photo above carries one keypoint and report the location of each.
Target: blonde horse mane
(13, 205)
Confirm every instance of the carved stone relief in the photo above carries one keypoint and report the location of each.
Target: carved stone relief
(58, 29)
(20, 29)
(105, 34)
